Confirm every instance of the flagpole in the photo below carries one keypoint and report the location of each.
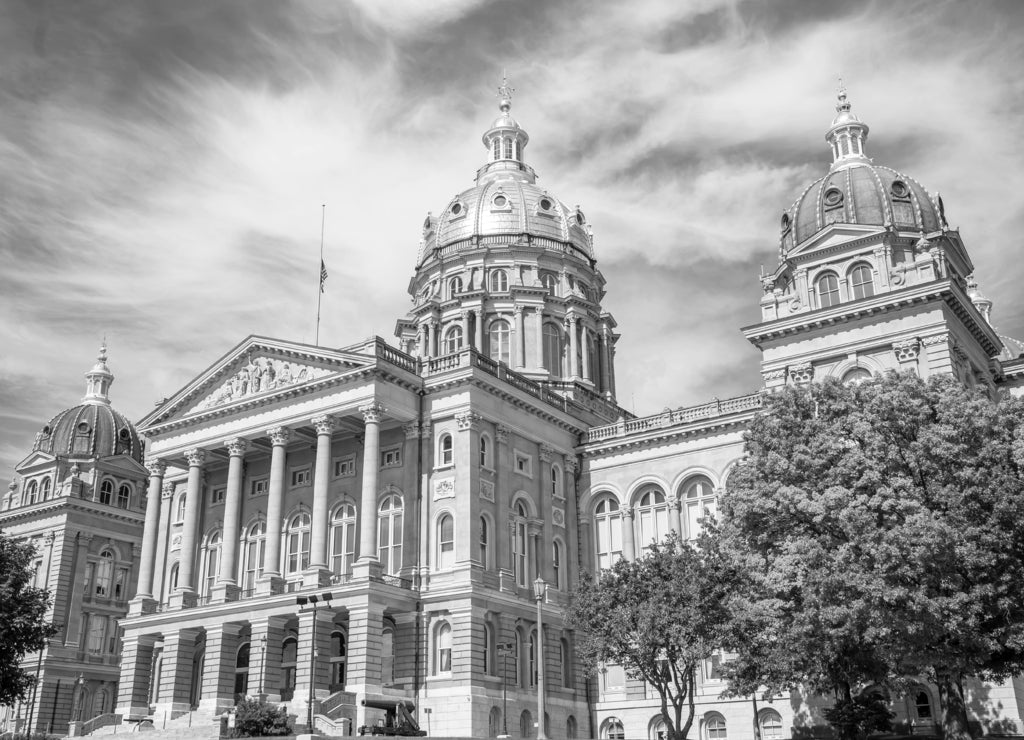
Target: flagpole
(320, 273)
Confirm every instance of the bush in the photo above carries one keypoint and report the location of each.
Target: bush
(860, 716)
(253, 719)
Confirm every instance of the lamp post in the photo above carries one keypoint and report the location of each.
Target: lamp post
(505, 649)
(312, 600)
(539, 587)
(263, 666)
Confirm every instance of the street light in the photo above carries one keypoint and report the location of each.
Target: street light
(505, 649)
(312, 600)
(539, 587)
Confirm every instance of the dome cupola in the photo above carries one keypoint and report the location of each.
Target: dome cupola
(847, 135)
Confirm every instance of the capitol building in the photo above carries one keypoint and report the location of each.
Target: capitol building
(342, 529)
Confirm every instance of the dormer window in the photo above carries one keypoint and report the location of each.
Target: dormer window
(508, 149)
(833, 197)
(454, 287)
(862, 281)
(785, 223)
(900, 189)
(500, 201)
(497, 149)
(499, 281)
(828, 290)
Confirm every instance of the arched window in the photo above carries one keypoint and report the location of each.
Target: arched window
(828, 291)
(922, 705)
(533, 658)
(715, 727)
(252, 555)
(608, 532)
(519, 543)
(497, 148)
(242, 671)
(657, 729)
(856, 375)
(565, 661)
(389, 535)
(553, 349)
(453, 339)
(338, 653)
(445, 450)
(485, 451)
(862, 281)
(289, 660)
(489, 647)
(443, 649)
(612, 729)
(550, 282)
(172, 581)
(445, 542)
(44, 489)
(499, 281)
(483, 543)
(508, 149)
(518, 659)
(651, 517)
(500, 341)
(104, 573)
(124, 496)
(556, 481)
(32, 492)
(343, 540)
(570, 727)
(556, 565)
(699, 500)
(211, 567)
(179, 512)
(454, 287)
(107, 492)
(387, 654)
(494, 722)
(771, 724)
(297, 543)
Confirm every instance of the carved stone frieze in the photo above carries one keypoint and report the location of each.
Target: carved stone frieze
(558, 516)
(262, 375)
(486, 490)
(935, 339)
(802, 373)
(168, 489)
(906, 350)
(774, 374)
(467, 420)
(444, 488)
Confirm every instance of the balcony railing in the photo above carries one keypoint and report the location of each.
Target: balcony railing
(676, 417)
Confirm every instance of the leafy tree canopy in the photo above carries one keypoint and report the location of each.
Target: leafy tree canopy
(880, 531)
(22, 612)
(658, 617)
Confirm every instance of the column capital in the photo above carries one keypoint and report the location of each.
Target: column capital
(156, 467)
(547, 453)
(237, 446)
(517, 310)
(372, 412)
(167, 490)
(467, 420)
(279, 436)
(501, 432)
(464, 314)
(412, 430)
(324, 424)
(196, 457)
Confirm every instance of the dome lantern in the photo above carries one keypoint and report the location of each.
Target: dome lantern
(98, 380)
(505, 139)
(848, 134)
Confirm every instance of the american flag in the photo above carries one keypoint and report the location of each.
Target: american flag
(323, 275)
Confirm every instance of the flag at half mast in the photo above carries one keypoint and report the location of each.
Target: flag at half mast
(323, 274)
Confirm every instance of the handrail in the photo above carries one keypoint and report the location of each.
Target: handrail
(102, 720)
(670, 417)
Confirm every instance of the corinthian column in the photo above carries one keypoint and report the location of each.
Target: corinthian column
(520, 353)
(324, 426)
(275, 510)
(151, 531)
(189, 532)
(368, 498)
(574, 344)
(232, 515)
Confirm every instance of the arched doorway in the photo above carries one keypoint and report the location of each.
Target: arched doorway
(242, 672)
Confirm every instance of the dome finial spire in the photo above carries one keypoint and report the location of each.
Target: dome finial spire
(505, 93)
(847, 134)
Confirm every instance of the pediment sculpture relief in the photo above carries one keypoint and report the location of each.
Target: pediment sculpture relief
(261, 375)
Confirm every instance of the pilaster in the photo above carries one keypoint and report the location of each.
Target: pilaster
(136, 675)
(218, 680)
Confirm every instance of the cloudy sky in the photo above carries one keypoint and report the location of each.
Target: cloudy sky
(164, 166)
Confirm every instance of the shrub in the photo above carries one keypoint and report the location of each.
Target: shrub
(860, 716)
(253, 719)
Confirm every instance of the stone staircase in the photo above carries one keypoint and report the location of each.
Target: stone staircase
(195, 725)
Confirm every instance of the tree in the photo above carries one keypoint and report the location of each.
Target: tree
(254, 719)
(22, 614)
(880, 528)
(658, 617)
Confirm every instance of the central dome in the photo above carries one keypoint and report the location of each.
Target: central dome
(506, 206)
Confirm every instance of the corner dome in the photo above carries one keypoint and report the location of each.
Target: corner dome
(506, 206)
(92, 428)
(857, 191)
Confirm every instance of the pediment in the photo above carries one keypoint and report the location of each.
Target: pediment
(834, 235)
(121, 464)
(256, 371)
(35, 458)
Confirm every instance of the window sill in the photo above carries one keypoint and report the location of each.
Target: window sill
(447, 466)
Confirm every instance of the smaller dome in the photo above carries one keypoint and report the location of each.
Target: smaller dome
(1012, 348)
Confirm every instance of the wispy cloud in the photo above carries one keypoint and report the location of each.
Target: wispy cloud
(165, 166)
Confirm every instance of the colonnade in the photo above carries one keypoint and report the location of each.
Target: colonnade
(226, 588)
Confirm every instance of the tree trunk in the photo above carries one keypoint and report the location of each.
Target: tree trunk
(757, 724)
(955, 725)
(845, 694)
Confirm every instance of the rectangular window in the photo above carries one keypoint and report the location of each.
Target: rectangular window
(97, 631)
(523, 464)
(614, 678)
(259, 487)
(345, 467)
(391, 457)
(90, 576)
(217, 494)
(121, 584)
(302, 477)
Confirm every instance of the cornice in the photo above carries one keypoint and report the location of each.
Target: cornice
(65, 504)
(660, 436)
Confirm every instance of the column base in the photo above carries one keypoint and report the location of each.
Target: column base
(316, 577)
(133, 712)
(218, 704)
(366, 568)
(141, 605)
(183, 599)
(224, 592)
(269, 585)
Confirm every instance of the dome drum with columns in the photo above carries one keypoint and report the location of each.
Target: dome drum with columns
(508, 269)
